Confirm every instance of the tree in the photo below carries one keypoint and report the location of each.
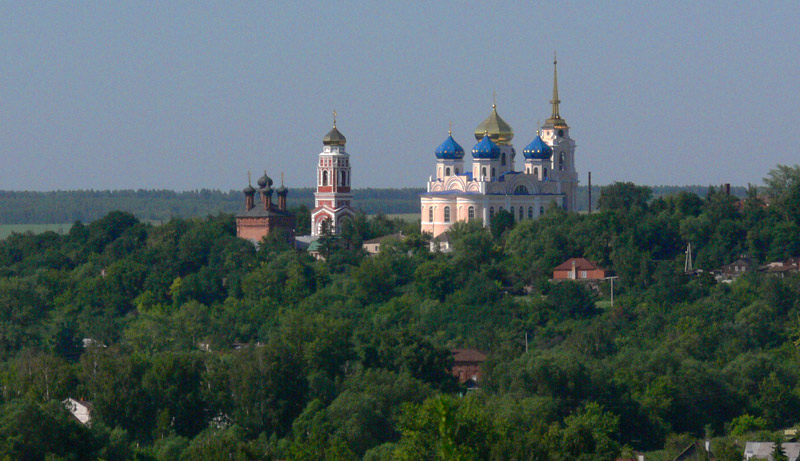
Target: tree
(624, 196)
(501, 222)
(780, 180)
(778, 453)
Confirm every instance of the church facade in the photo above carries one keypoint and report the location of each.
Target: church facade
(260, 219)
(492, 182)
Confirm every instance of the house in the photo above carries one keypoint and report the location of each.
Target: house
(373, 246)
(763, 450)
(467, 366)
(80, 410)
(579, 269)
(696, 452)
(735, 269)
(441, 243)
(782, 268)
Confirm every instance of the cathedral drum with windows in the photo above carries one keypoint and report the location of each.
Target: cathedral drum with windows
(492, 183)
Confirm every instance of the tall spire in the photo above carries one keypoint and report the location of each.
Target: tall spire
(555, 101)
(555, 117)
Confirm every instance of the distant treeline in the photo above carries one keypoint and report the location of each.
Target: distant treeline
(160, 205)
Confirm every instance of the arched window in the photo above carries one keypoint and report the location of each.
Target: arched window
(447, 214)
(447, 171)
(430, 214)
(530, 212)
(521, 213)
(344, 178)
(503, 159)
(456, 171)
(541, 210)
(483, 172)
(491, 212)
(494, 173)
(544, 171)
(536, 171)
(512, 211)
(470, 213)
(561, 162)
(324, 178)
(527, 170)
(521, 190)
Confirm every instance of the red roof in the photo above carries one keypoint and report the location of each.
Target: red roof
(581, 264)
(468, 355)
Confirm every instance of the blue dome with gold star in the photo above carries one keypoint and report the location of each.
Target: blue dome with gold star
(449, 150)
(537, 150)
(486, 149)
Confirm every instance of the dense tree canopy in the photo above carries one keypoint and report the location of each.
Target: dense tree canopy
(193, 344)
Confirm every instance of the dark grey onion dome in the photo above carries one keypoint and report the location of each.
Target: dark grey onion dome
(249, 190)
(267, 191)
(281, 190)
(264, 181)
(334, 138)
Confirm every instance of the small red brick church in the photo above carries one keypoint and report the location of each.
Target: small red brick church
(257, 221)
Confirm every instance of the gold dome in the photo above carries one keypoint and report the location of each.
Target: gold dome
(498, 130)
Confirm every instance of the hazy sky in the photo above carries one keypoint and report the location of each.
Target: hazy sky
(187, 95)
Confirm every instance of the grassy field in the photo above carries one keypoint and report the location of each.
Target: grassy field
(7, 229)
(408, 217)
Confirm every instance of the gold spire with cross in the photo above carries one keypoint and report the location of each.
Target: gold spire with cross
(450, 128)
(334, 118)
(555, 117)
(249, 183)
(494, 99)
(281, 178)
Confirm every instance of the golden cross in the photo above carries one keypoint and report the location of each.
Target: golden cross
(334, 118)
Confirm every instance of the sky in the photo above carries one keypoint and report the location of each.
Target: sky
(190, 95)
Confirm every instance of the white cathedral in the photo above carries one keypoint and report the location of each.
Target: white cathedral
(492, 183)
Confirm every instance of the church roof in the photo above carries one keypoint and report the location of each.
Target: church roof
(259, 212)
(538, 149)
(497, 128)
(334, 138)
(486, 148)
(449, 149)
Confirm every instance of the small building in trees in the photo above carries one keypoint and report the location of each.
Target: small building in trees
(260, 219)
(764, 450)
(373, 246)
(697, 451)
(80, 410)
(467, 366)
(441, 243)
(579, 269)
(735, 269)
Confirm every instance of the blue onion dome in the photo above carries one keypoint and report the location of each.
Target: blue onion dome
(486, 148)
(537, 149)
(449, 149)
(264, 181)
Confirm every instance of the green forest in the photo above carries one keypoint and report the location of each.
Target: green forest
(193, 344)
(158, 206)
